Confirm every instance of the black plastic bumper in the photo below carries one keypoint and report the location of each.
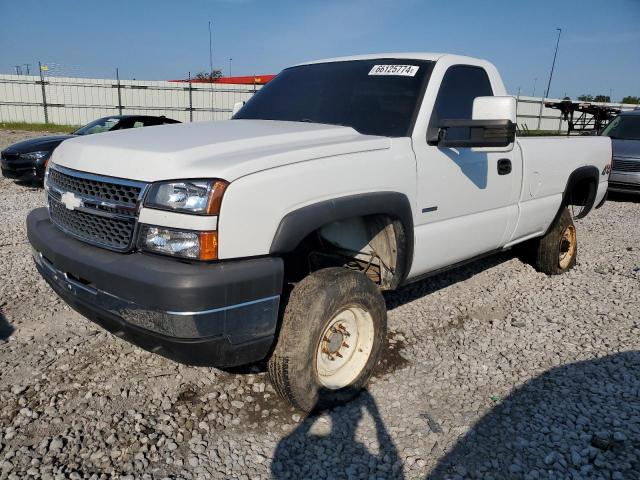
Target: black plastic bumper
(620, 187)
(217, 314)
(22, 170)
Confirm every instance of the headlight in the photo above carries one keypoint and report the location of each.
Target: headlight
(179, 243)
(46, 178)
(202, 197)
(34, 155)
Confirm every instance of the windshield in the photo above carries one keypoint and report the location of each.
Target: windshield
(101, 125)
(624, 127)
(375, 97)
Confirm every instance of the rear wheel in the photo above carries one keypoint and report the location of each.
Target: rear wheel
(331, 337)
(556, 252)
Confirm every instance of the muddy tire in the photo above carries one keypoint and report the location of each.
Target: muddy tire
(332, 334)
(556, 252)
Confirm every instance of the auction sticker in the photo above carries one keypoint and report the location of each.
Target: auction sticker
(402, 70)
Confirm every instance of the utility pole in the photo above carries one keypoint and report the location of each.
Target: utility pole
(27, 65)
(18, 70)
(211, 68)
(210, 54)
(230, 59)
(535, 81)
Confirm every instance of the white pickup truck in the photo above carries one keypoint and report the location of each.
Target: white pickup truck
(270, 236)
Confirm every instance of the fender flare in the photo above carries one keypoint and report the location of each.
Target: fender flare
(587, 172)
(297, 224)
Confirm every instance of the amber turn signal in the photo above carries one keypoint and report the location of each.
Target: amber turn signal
(215, 197)
(208, 245)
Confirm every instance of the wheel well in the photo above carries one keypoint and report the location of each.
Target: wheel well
(373, 244)
(581, 190)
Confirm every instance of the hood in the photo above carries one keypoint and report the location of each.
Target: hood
(625, 148)
(226, 150)
(37, 144)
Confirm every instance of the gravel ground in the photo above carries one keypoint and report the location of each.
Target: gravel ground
(493, 371)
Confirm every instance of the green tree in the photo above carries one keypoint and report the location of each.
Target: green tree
(566, 98)
(585, 98)
(631, 99)
(602, 98)
(206, 76)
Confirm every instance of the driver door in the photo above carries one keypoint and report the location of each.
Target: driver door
(466, 204)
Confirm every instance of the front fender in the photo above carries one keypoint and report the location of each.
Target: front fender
(296, 225)
(312, 193)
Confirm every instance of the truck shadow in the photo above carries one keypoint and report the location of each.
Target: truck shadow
(6, 329)
(438, 281)
(580, 420)
(324, 445)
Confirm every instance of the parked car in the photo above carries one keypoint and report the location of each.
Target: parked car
(624, 132)
(271, 235)
(26, 160)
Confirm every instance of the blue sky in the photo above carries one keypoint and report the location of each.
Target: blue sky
(599, 48)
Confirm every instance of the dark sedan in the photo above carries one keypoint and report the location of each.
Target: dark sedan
(26, 160)
(624, 131)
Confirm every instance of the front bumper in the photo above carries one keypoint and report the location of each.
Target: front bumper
(220, 314)
(624, 181)
(23, 170)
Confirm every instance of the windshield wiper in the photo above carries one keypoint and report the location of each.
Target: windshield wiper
(308, 120)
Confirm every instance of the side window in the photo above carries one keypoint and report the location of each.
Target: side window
(460, 85)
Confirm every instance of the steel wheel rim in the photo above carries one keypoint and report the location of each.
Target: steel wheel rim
(568, 244)
(345, 347)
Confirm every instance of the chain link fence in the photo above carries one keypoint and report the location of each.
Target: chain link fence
(76, 101)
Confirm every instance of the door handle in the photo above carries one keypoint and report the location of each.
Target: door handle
(504, 166)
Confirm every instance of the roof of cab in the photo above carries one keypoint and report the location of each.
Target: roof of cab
(429, 56)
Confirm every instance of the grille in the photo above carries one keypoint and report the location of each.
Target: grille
(620, 165)
(103, 212)
(114, 233)
(98, 189)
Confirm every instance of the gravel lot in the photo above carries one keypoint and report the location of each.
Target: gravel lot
(494, 371)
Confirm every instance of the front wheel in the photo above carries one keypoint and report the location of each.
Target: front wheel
(332, 335)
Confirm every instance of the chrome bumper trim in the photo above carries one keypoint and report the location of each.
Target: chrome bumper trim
(229, 307)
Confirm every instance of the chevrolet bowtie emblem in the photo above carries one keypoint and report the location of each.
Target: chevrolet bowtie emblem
(71, 201)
